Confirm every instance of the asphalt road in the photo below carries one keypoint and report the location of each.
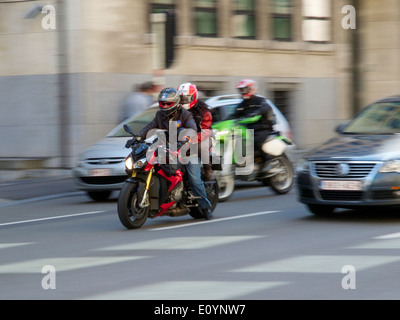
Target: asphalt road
(56, 244)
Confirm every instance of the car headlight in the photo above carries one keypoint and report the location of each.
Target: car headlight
(140, 163)
(303, 165)
(390, 166)
(129, 162)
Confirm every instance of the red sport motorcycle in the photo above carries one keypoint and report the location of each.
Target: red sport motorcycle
(157, 186)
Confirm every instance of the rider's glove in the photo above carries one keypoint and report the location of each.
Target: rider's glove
(181, 143)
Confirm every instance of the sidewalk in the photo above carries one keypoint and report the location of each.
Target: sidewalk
(28, 174)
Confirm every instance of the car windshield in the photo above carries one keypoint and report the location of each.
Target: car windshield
(378, 118)
(136, 123)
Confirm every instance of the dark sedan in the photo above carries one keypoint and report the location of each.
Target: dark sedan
(360, 167)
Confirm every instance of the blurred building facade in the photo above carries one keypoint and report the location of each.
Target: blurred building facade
(61, 89)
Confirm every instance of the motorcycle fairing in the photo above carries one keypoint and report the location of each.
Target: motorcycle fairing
(174, 180)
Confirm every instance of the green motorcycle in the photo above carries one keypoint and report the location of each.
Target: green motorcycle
(234, 143)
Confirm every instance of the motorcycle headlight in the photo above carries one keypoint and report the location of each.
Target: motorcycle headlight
(303, 165)
(129, 163)
(390, 166)
(140, 163)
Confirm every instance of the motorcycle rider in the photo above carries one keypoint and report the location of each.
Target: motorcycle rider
(171, 110)
(252, 105)
(203, 118)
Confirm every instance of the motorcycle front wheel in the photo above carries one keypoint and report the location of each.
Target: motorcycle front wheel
(282, 182)
(131, 215)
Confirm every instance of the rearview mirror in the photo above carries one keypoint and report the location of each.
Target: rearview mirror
(128, 129)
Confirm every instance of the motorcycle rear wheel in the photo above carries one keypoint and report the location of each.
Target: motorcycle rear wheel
(129, 212)
(282, 182)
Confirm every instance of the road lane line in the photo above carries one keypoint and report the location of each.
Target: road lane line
(214, 220)
(49, 197)
(389, 236)
(319, 264)
(50, 218)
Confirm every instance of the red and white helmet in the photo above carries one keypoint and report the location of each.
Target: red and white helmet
(247, 88)
(189, 95)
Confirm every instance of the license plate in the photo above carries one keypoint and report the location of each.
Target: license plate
(100, 172)
(353, 185)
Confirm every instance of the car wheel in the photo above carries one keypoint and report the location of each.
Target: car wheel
(320, 210)
(99, 195)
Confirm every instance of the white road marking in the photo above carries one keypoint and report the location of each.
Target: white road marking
(319, 264)
(183, 290)
(196, 223)
(49, 218)
(11, 245)
(180, 243)
(389, 243)
(49, 197)
(62, 264)
(389, 236)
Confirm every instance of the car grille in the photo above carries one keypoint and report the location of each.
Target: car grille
(357, 169)
(341, 195)
(103, 161)
(104, 180)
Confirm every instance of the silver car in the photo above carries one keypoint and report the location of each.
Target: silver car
(359, 167)
(100, 169)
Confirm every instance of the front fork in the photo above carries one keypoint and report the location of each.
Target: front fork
(145, 200)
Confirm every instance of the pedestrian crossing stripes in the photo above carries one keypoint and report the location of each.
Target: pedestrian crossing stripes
(320, 264)
(11, 245)
(207, 288)
(181, 243)
(383, 243)
(61, 264)
(183, 290)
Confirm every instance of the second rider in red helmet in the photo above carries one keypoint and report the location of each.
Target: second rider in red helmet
(203, 118)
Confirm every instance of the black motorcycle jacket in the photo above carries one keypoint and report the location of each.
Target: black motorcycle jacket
(183, 118)
(256, 105)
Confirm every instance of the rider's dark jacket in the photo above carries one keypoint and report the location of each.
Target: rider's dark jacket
(183, 118)
(256, 105)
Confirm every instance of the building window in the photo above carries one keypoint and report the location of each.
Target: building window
(316, 20)
(158, 6)
(244, 19)
(281, 11)
(205, 16)
(282, 102)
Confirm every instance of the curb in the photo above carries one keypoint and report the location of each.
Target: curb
(12, 175)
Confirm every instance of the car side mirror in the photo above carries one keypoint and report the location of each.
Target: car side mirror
(340, 128)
